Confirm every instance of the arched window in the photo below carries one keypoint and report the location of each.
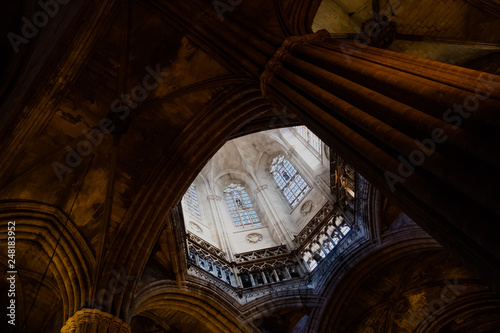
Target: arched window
(290, 182)
(309, 137)
(240, 208)
(190, 202)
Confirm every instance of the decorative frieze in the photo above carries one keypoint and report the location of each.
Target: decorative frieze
(261, 254)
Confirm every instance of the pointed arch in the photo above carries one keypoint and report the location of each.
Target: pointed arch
(74, 258)
(291, 183)
(241, 207)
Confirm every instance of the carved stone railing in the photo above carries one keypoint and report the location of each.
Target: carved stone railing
(251, 269)
(324, 240)
(291, 284)
(268, 270)
(276, 264)
(325, 265)
(316, 222)
(267, 266)
(224, 285)
(208, 257)
(192, 238)
(261, 254)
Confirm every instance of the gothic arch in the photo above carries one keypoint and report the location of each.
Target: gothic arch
(266, 155)
(477, 311)
(73, 260)
(281, 301)
(196, 300)
(297, 17)
(337, 293)
(172, 176)
(229, 176)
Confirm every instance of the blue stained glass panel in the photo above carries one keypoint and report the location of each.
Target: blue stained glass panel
(240, 206)
(190, 201)
(287, 178)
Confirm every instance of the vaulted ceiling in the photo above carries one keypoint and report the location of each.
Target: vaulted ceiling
(67, 79)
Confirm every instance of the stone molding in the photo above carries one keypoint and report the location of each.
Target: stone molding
(284, 50)
(213, 197)
(93, 321)
(260, 188)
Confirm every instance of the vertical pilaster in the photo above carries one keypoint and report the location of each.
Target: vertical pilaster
(282, 230)
(216, 206)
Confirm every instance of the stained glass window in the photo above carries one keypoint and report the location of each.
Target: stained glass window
(290, 182)
(309, 137)
(241, 208)
(190, 202)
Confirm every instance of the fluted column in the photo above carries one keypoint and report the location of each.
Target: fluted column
(95, 321)
(424, 132)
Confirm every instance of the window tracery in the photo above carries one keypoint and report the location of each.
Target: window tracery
(190, 202)
(291, 183)
(240, 207)
(309, 137)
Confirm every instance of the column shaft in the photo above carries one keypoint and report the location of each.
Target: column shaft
(95, 321)
(423, 132)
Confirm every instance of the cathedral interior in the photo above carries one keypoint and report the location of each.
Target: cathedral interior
(285, 166)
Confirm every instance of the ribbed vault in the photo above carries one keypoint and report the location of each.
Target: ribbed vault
(44, 231)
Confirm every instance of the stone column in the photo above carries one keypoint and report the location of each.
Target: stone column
(276, 277)
(288, 276)
(95, 321)
(215, 204)
(264, 277)
(303, 266)
(282, 231)
(322, 248)
(330, 239)
(423, 132)
(252, 279)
